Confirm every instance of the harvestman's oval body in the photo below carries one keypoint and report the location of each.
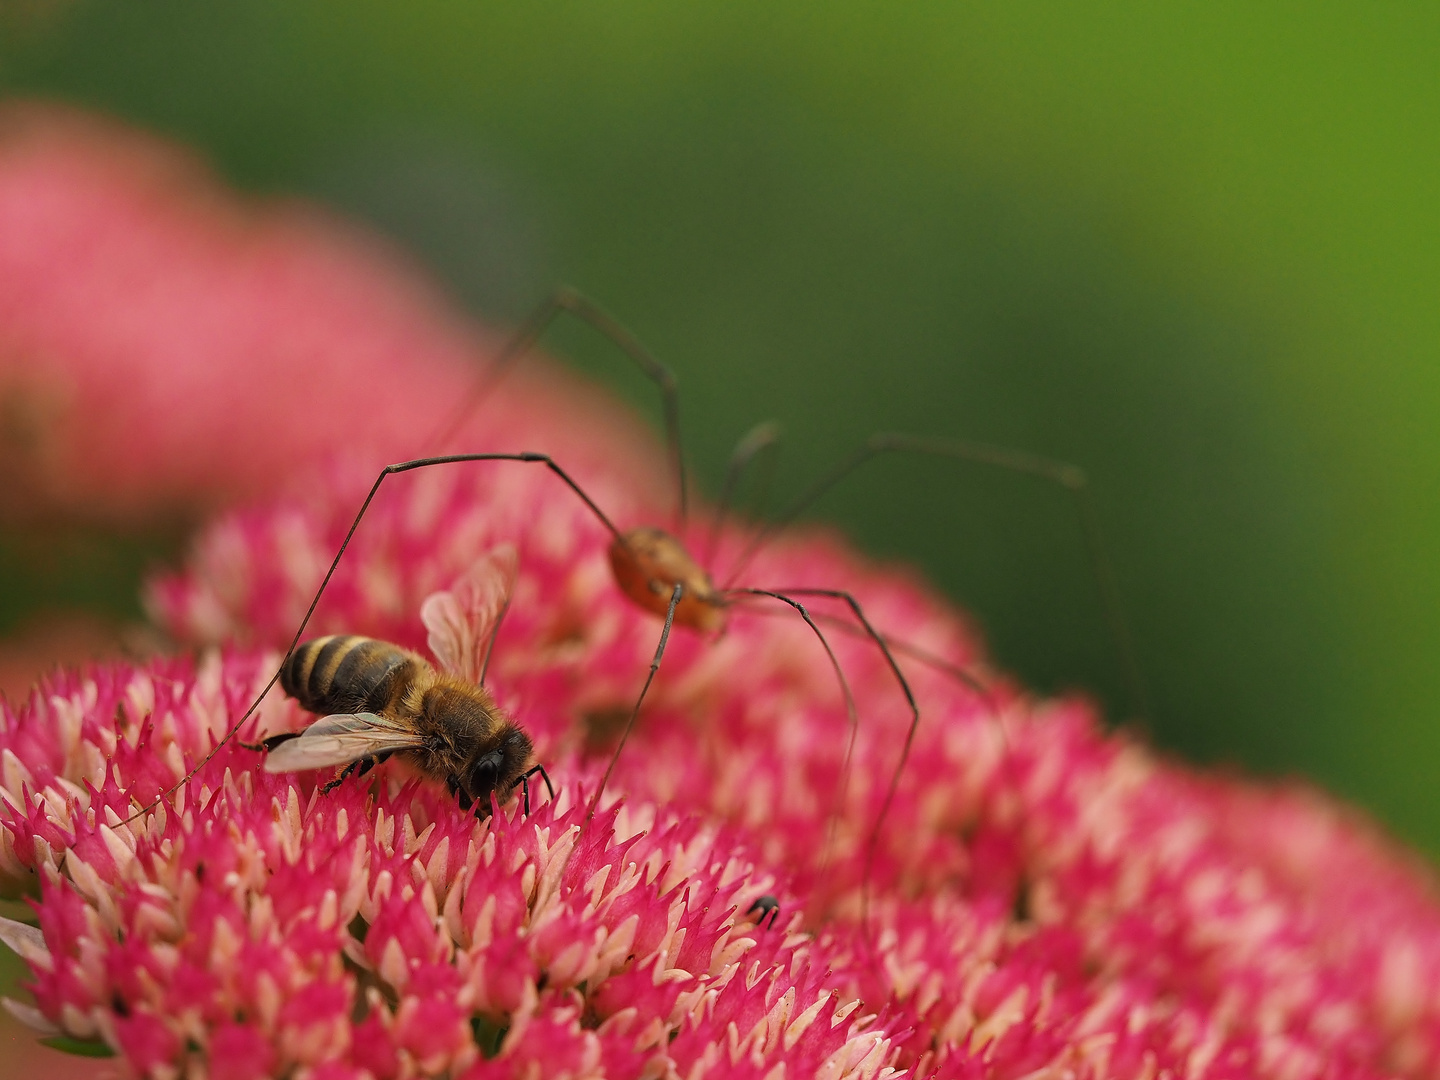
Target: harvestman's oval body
(648, 563)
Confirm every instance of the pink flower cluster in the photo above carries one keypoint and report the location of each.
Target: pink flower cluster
(1045, 898)
(251, 927)
(166, 347)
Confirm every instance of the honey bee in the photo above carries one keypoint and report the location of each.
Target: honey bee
(377, 699)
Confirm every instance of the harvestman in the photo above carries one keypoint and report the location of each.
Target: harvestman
(650, 562)
(653, 568)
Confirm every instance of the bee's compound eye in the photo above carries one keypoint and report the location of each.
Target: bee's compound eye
(484, 776)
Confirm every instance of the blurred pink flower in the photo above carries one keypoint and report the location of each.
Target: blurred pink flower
(166, 348)
(134, 288)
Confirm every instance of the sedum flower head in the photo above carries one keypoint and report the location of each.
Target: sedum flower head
(1046, 898)
(251, 926)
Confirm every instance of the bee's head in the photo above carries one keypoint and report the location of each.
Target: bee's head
(497, 770)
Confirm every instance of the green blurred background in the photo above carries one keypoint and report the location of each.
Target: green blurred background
(1192, 248)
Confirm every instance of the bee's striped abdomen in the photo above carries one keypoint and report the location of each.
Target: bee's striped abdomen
(343, 674)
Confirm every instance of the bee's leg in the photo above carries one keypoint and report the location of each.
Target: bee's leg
(524, 783)
(768, 907)
(543, 776)
(345, 774)
(645, 689)
(461, 795)
(270, 743)
(366, 764)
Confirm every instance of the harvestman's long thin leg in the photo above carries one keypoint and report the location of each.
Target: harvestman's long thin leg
(762, 437)
(1070, 477)
(850, 712)
(654, 667)
(939, 663)
(572, 302)
(946, 667)
(874, 635)
(388, 470)
(901, 647)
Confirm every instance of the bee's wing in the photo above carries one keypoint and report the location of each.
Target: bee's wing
(462, 618)
(339, 740)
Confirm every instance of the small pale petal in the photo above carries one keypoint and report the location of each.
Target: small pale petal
(26, 941)
(30, 1016)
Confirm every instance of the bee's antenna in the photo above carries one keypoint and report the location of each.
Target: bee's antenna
(1070, 477)
(625, 735)
(842, 795)
(570, 301)
(873, 635)
(388, 470)
(762, 437)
